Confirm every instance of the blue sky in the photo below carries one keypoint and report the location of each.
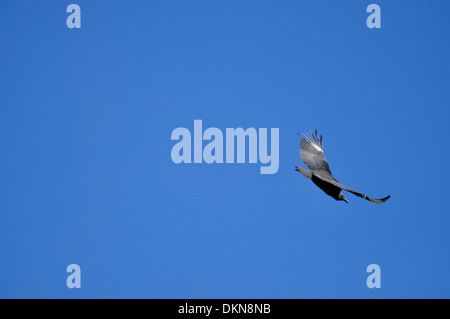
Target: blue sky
(86, 117)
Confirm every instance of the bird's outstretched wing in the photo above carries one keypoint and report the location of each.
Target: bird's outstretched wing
(348, 189)
(312, 154)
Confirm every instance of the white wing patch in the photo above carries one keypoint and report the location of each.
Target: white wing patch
(313, 142)
(317, 147)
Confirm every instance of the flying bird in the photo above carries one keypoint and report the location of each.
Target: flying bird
(313, 157)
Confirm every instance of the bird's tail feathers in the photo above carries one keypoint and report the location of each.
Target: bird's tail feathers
(305, 172)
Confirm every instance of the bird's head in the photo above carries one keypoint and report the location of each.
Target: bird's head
(342, 197)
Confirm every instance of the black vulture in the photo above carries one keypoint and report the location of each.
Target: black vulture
(313, 157)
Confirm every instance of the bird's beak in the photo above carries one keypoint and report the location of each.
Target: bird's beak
(346, 200)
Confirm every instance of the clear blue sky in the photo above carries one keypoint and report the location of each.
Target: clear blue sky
(86, 175)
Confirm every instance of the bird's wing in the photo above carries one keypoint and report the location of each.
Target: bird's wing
(348, 189)
(312, 154)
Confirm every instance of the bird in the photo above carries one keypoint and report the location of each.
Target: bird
(311, 153)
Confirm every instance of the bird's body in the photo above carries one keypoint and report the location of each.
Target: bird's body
(313, 157)
(328, 188)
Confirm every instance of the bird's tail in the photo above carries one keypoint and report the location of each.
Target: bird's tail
(305, 172)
